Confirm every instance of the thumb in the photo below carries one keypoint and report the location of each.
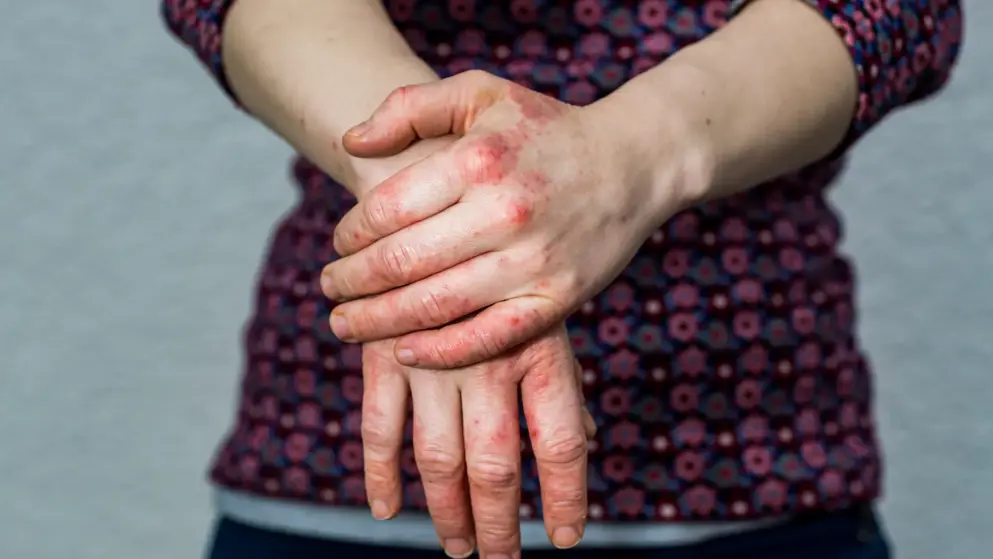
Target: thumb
(413, 112)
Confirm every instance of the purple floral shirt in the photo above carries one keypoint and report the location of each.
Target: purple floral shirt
(722, 366)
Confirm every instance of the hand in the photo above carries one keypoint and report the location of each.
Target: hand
(467, 442)
(530, 213)
(488, 511)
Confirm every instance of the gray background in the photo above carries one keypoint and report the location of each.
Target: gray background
(134, 206)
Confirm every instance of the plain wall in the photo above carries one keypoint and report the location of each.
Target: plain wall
(134, 208)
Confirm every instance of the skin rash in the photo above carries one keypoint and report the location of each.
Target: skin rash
(495, 171)
(487, 164)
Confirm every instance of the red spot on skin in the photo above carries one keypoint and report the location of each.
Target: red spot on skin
(492, 159)
(535, 180)
(534, 432)
(514, 321)
(543, 284)
(519, 213)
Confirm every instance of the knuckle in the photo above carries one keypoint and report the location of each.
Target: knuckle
(482, 162)
(376, 214)
(568, 509)
(517, 212)
(434, 307)
(360, 320)
(340, 273)
(398, 97)
(343, 283)
(440, 465)
(489, 344)
(479, 79)
(376, 437)
(445, 359)
(441, 350)
(475, 74)
(496, 533)
(397, 262)
(379, 476)
(494, 474)
(562, 450)
(565, 499)
(449, 509)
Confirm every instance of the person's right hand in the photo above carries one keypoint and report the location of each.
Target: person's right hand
(467, 442)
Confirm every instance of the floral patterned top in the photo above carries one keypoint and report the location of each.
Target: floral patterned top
(722, 366)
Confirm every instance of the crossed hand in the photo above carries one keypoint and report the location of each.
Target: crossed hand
(456, 274)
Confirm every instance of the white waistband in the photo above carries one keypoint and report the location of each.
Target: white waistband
(416, 530)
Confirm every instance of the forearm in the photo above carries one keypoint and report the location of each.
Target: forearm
(312, 69)
(769, 93)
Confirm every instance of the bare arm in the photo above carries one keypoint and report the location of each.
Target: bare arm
(784, 84)
(307, 69)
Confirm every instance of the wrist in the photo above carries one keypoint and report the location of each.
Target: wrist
(293, 66)
(661, 141)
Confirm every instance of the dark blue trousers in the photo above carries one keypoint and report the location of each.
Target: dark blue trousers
(850, 534)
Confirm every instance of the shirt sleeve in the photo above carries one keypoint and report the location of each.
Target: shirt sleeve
(198, 24)
(903, 51)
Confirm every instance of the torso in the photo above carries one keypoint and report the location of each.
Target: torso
(722, 366)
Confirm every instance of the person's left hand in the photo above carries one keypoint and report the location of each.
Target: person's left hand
(467, 443)
(529, 214)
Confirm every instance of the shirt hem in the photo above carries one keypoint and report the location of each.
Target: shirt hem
(414, 530)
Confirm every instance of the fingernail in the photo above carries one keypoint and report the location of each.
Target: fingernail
(565, 537)
(380, 511)
(458, 549)
(406, 357)
(360, 129)
(339, 325)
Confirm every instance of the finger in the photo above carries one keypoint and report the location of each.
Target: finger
(554, 412)
(384, 410)
(440, 457)
(493, 461)
(429, 303)
(413, 194)
(454, 236)
(449, 106)
(589, 424)
(493, 331)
